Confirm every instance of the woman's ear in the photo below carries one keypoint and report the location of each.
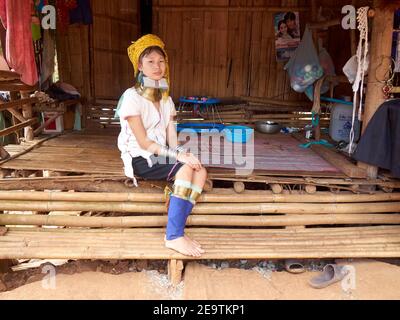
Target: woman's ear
(140, 66)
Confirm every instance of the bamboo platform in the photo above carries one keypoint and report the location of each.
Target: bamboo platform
(360, 242)
(96, 152)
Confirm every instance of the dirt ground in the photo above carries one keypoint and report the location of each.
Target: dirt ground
(224, 280)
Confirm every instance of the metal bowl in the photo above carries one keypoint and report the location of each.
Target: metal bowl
(268, 127)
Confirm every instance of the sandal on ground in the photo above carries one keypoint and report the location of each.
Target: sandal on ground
(331, 273)
(294, 266)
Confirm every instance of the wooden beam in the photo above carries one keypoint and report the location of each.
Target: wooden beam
(16, 85)
(4, 154)
(277, 102)
(336, 159)
(17, 127)
(17, 103)
(9, 75)
(17, 115)
(228, 8)
(380, 63)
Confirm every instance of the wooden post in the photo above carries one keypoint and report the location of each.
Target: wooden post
(314, 16)
(175, 268)
(3, 153)
(5, 265)
(27, 114)
(14, 96)
(380, 62)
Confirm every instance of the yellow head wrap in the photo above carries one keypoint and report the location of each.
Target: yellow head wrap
(137, 48)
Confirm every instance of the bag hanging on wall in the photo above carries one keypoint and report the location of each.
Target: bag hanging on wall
(304, 67)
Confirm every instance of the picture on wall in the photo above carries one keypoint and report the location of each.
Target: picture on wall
(287, 34)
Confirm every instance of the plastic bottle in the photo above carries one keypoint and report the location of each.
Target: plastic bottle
(340, 123)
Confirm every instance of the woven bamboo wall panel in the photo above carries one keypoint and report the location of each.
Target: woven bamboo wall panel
(115, 26)
(227, 47)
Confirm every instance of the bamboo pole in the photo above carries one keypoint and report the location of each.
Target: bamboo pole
(204, 208)
(322, 253)
(198, 220)
(326, 232)
(218, 195)
(278, 102)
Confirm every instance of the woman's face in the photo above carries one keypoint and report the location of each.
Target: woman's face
(153, 66)
(291, 24)
(283, 28)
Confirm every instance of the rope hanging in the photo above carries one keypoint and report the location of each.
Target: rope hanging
(362, 53)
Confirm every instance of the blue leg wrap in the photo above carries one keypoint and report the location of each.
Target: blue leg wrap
(177, 215)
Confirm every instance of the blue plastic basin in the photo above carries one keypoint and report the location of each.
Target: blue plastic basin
(239, 134)
(198, 127)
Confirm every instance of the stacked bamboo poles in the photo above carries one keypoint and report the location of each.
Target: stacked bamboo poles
(222, 208)
(218, 243)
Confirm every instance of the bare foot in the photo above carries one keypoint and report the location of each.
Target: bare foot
(184, 246)
(189, 239)
(198, 245)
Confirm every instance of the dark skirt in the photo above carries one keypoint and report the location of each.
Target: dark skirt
(162, 169)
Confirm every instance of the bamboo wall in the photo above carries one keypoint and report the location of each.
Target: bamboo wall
(219, 48)
(73, 58)
(93, 58)
(230, 51)
(115, 26)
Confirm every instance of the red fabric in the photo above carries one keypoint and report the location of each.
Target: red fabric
(63, 7)
(16, 18)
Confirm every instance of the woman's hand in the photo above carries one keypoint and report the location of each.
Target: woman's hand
(190, 160)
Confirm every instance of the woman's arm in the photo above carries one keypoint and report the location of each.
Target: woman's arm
(172, 137)
(137, 127)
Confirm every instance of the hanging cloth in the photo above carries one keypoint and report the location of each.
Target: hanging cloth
(63, 8)
(16, 18)
(82, 13)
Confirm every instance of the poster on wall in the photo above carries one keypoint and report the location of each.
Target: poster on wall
(287, 34)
